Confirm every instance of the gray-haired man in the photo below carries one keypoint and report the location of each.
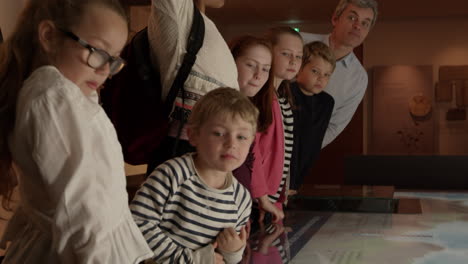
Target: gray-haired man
(352, 21)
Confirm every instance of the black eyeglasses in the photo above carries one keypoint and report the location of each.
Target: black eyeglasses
(98, 57)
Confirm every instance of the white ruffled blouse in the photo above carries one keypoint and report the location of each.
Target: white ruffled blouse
(74, 205)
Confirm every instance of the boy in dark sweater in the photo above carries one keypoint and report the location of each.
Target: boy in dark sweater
(312, 111)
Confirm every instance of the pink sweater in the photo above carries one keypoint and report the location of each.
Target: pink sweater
(268, 152)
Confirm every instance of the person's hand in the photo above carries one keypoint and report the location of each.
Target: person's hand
(228, 240)
(247, 254)
(267, 206)
(248, 228)
(292, 192)
(218, 258)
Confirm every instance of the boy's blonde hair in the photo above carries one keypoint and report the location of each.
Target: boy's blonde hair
(318, 49)
(223, 101)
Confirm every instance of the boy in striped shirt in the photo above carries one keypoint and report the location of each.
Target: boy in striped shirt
(191, 209)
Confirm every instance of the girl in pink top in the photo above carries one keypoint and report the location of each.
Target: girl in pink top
(276, 144)
(262, 173)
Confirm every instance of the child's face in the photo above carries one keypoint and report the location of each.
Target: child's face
(253, 69)
(314, 76)
(222, 143)
(287, 56)
(102, 28)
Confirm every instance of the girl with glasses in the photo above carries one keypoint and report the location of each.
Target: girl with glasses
(68, 162)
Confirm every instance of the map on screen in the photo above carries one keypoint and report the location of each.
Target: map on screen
(438, 235)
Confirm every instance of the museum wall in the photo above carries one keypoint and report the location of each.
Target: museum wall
(439, 42)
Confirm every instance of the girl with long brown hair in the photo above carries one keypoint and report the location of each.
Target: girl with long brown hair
(263, 173)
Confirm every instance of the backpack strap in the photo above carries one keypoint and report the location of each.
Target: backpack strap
(194, 43)
(145, 69)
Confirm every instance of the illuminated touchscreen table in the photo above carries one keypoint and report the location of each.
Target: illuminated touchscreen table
(438, 234)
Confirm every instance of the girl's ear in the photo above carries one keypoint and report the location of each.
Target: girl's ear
(46, 31)
(192, 135)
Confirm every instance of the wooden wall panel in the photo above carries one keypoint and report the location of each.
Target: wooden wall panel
(402, 122)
